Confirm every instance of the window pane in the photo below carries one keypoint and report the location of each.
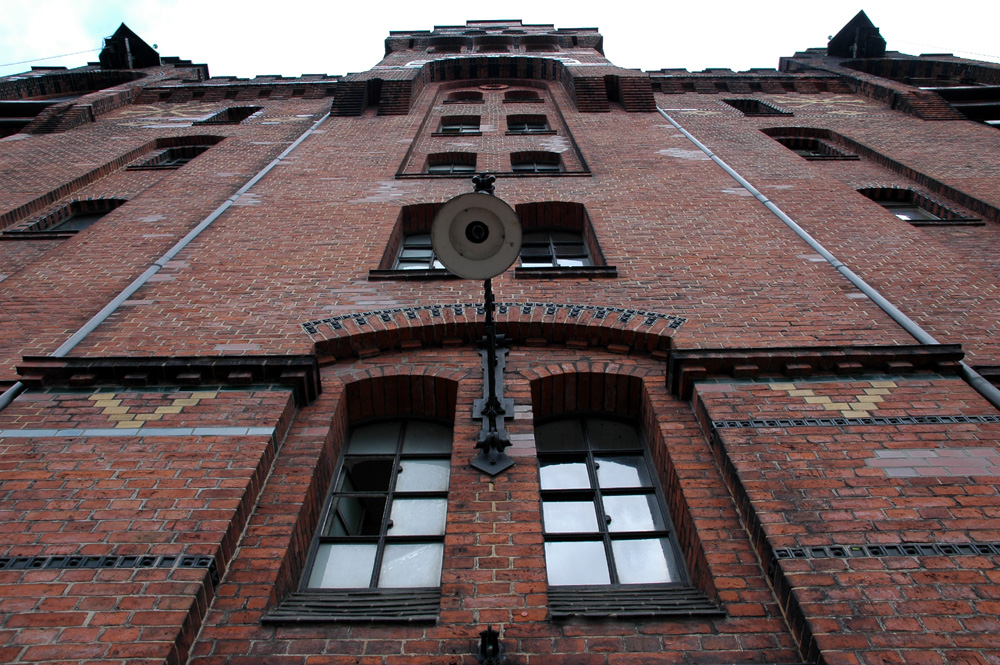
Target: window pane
(411, 565)
(358, 516)
(622, 471)
(576, 563)
(341, 566)
(612, 435)
(417, 240)
(569, 516)
(416, 254)
(423, 475)
(417, 517)
(375, 439)
(643, 561)
(636, 512)
(425, 437)
(368, 475)
(564, 475)
(559, 435)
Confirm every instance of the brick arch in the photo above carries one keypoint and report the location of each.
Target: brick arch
(576, 325)
(400, 391)
(585, 386)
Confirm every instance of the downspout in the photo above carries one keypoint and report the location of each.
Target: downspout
(8, 395)
(990, 392)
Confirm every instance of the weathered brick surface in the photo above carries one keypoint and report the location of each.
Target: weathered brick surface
(240, 474)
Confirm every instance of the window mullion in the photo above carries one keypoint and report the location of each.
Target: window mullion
(387, 510)
(602, 517)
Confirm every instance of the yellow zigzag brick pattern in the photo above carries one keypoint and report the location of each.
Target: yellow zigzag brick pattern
(861, 407)
(123, 417)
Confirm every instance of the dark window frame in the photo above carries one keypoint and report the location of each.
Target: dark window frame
(336, 495)
(596, 494)
(553, 246)
(460, 125)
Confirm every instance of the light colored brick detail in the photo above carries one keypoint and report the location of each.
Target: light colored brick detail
(114, 410)
(883, 384)
(781, 386)
(129, 423)
(870, 398)
(107, 402)
(929, 462)
(800, 393)
(820, 399)
(185, 402)
(102, 396)
(205, 395)
(877, 391)
(169, 409)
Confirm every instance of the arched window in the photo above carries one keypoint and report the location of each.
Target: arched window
(603, 517)
(384, 520)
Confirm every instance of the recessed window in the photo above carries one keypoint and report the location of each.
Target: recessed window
(754, 107)
(171, 158)
(603, 519)
(528, 124)
(814, 149)
(521, 96)
(464, 97)
(459, 124)
(908, 211)
(917, 209)
(384, 521)
(451, 163)
(416, 253)
(69, 219)
(554, 248)
(535, 162)
(233, 115)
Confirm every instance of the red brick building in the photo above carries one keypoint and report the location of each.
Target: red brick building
(748, 364)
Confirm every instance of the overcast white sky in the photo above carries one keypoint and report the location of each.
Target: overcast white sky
(295, 37)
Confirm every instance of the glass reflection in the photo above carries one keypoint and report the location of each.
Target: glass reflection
(422, 517)
(423, 476)
(623, 471)
(643, 561)
(411, 565)
(342, 566)
(576, 563)
(636, 512)
(564, 475)
(569, 516)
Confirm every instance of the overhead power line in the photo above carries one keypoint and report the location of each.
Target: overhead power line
(51, 57)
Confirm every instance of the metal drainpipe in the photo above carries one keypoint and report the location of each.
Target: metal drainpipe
(990, 392)
(8, 395)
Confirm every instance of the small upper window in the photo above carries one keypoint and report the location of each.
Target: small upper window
(514, 96)
(171, 158)
(603, 520)
(813, 149)
(233, 115)
(454, 163)
(754, 107)
(416, 253)
(464, 97)
(69, 219)
(383, 525)
(459, 124)
(917, 209)
(554, 248)
(535, 162)
(528, 124)
(909, 212)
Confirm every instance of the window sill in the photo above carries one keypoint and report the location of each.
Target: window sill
(464, 101)
(416, 275)
(581, 272)
(541, 132)
(37, 235)
(395, 605)
(945, 222)
(628, 600)
(831, 158)
(456, 134)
